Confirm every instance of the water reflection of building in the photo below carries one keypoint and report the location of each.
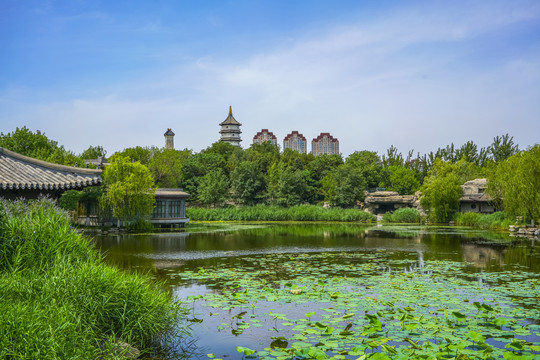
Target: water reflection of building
(482, 256)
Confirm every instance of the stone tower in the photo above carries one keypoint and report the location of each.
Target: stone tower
(169, 139)
(230, 130)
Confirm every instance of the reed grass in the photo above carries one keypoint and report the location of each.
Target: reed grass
(58, 300)
(277, 213)
(403, 215)
(497, 220)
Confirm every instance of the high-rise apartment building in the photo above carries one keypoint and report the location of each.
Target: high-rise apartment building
(295, 141)
(263, 136)
(324, 144)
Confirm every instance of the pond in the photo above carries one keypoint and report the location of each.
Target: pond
(344, 291)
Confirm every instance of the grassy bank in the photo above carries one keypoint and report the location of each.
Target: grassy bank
(403, 215)
(277, 213)
(497, 220)
(58, 300)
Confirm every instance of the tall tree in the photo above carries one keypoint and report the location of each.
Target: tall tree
(348, 186)
(129, 189)
(287, 186)
(38, 146)
(213, 188)
(403, 180)
(502, 148)
(166, 167)
(248, 183)
(369, 164)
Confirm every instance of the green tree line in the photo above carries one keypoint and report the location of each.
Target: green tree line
(223, 174)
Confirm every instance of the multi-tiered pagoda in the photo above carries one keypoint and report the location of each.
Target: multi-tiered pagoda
(230, 130)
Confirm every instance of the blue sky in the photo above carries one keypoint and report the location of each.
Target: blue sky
(413, 74)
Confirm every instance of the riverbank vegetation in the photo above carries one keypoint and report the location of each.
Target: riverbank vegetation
(497, 220)
(58, 300)
(278, 213)
(223, 175)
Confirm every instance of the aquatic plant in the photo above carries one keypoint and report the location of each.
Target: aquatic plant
(369, 305)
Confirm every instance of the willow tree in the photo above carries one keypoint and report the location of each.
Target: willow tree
(441, 191)
(129, 189)
(516, 183)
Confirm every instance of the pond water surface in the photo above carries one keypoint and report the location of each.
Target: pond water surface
(343, 290)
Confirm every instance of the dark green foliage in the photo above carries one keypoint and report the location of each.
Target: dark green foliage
(369, 164)
(287, 185)
(213, 188)
(140, 226)
(58, 300)
(402, 180)
(349, 186)
(196, 167)
(403, 215)
(277, 213)
(69, 200)
(248, 183)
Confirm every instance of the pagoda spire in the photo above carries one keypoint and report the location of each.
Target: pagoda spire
(230, 110)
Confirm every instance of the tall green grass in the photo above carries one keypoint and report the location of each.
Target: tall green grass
(497, 220)
(58, 300)
(403, 215)
(278, 213)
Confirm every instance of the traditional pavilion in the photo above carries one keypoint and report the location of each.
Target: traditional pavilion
(230, 130)
(25, 177)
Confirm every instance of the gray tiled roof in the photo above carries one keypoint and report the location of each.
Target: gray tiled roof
(22, 172)
(230, 120)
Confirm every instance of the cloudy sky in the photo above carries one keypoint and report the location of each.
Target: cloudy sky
(414, 74)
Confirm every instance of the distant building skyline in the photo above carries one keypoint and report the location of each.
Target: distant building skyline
(263, 136)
